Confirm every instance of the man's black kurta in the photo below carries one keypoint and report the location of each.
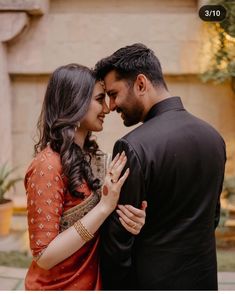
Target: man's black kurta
(177, 164)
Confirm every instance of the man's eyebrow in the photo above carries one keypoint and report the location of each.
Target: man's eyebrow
(110, 92)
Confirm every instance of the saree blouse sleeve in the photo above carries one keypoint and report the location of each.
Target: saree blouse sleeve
(45, 195)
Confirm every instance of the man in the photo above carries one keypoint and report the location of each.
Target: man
(177, 164)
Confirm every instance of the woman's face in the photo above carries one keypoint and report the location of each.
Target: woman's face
(94, 118)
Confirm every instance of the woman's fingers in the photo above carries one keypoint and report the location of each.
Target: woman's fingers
(119, 165)
(123, 178)
(114, 161)
(117, 162)
(116, 166)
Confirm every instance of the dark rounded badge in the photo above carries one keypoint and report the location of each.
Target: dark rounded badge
(215, 13)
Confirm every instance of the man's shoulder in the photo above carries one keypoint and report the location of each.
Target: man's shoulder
(162, 128)
(206, 126)
(134, 136)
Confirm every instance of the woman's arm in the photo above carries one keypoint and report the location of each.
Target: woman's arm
(69, 241)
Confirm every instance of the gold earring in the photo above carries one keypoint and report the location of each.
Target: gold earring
(77, 127)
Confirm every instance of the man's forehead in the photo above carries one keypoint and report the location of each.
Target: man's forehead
(110, 80)
(112, 76)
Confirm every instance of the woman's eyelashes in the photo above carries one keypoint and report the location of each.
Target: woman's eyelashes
(100, 98)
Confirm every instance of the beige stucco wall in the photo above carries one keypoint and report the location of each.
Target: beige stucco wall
(213, 103)
(83, 31)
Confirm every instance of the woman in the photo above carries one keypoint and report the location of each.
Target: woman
(66, 202)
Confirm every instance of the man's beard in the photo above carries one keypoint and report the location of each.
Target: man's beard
(133, 114)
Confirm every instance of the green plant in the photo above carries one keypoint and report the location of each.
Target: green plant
(6, 183)
(228, 195)
(220, 46)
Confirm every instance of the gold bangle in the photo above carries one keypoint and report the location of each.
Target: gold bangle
(82, 231)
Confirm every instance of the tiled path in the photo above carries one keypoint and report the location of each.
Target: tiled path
(13, 279)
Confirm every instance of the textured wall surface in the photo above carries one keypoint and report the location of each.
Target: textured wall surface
(85, 31)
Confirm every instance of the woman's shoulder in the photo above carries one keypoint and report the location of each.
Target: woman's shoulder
(47, 159)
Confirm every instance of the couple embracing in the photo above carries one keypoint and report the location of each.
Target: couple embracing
(145, 221)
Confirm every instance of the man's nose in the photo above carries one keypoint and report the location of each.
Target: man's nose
(112, 105)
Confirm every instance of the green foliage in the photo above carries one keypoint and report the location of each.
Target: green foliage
(229, 191)
(221, 65)
(15, 259)
(6, 183)
(229, 23)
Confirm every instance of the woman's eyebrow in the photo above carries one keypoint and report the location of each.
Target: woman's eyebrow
(100, 95)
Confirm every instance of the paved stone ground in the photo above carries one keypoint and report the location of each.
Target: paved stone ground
(13, 278)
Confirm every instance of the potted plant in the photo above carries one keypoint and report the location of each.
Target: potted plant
(6, 205)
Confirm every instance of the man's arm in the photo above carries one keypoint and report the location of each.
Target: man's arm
(117, 243)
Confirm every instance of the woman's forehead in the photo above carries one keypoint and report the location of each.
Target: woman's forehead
(99, 86)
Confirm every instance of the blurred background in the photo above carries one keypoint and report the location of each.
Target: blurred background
(36, 36)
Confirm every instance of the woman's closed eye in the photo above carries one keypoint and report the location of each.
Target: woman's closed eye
(100, 98)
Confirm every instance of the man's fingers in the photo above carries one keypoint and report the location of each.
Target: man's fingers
(144, 205)
(134, 231)
(131, 218)
(126, 218)
(135, 211)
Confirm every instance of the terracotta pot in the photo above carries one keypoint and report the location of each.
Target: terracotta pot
(6, 210)
(233, 84)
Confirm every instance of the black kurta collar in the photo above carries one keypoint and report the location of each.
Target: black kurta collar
(165, 105)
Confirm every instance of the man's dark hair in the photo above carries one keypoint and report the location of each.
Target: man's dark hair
(130, 61)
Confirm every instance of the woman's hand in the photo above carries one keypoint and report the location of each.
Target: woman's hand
(113, 184)
(132, 219)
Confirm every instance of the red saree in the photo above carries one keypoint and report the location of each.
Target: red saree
(51, 209)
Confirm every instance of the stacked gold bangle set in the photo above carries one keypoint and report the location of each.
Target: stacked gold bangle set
(82, 231)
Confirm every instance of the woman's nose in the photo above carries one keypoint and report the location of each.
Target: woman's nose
(106, 109)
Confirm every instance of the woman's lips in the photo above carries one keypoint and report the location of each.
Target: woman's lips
(101, 118)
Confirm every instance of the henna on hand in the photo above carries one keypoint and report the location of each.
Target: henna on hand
(105, 190)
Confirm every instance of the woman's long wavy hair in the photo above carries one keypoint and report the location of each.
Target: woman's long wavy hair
(66, 101)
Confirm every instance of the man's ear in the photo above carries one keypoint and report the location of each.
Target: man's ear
(141, 83)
